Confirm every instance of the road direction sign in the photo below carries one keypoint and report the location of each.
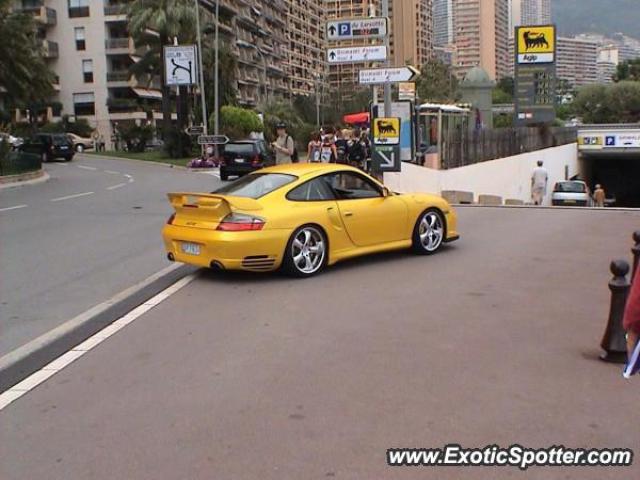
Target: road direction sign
(376, 53)
(213, 140)
(377, 76)
(351, 28)
(180, 65)
(195, 130)
(387, 158)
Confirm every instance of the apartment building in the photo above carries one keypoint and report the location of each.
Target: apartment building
(442, 22)
(481, 30)
(577, 61)
(306, 64)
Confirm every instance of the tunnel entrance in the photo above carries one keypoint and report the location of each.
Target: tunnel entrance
(619, 174)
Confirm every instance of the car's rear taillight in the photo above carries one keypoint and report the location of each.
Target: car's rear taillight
(171, 219)
(239, 222)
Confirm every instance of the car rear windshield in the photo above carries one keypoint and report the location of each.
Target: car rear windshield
(239, 148)
(59, 140)
(256, 185)
(570, 187)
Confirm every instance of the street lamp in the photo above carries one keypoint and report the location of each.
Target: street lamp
(205, 120)
(318, 77)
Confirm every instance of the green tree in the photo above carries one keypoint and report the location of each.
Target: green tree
(629, 70)
(615, 103)
(237, 123)
(24, 74)
(437, 83)
(154, 24)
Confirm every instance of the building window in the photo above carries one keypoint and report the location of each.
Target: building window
(87, 71)
(78, 8)
(80, 40)
(84, 104)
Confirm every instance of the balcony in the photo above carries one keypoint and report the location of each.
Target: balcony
(117, 10)
(118, 79)
(119, 46)
(49, 49)
(42, 15)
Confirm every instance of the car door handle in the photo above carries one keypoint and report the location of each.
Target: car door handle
(348, 214)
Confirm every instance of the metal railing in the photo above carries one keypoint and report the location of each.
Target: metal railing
(14, 163)
(462, 147)
(116, 43)
(116, 9)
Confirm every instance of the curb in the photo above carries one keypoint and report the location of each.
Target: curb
(27, 359)
(543, 207)
(30, 178)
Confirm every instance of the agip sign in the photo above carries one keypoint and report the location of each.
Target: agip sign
(536, 44)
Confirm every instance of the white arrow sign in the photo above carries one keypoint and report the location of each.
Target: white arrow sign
(377, 53)
(374, 76)
(350, 28)
(389, 161)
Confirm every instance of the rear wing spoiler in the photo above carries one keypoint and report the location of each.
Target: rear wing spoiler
(212, 200)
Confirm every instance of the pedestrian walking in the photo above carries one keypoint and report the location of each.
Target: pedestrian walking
(328, 153)
(539, 181)
(631, 320)
(284, 145)
(314, 147)
(342, 147)
(357, 150)
(599, 196)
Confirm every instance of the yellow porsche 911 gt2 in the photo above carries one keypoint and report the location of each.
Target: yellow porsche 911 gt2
(300, 218)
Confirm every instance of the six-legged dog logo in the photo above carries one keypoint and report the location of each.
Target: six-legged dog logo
(535, 40)
(386, 128)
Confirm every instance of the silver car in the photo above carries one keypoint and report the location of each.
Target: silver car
(572, 193)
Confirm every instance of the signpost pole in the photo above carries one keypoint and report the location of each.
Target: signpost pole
(201, 71)
(387, 86)
(216, 86)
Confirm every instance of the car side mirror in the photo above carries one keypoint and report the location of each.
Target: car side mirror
(386, 192)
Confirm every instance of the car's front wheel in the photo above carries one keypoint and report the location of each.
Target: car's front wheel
(429, 232)
(306, 253)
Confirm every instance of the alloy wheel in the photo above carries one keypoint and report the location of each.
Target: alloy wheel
(431, 231)
(308, 250)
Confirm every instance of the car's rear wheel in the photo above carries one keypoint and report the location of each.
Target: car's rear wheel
(224, 176)
(429, 232)
(306, 252)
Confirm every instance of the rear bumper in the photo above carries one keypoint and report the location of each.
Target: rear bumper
(569, 203)
(252, 251)
(239, 169)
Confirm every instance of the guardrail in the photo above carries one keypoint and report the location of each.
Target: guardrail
(468, 147)
(14, 163)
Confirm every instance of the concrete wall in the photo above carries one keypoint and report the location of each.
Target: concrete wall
(509, 178)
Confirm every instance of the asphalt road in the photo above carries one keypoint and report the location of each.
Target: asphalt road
(492, 341)
(88, 233)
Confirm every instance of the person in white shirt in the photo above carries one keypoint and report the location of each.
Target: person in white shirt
(539, 181)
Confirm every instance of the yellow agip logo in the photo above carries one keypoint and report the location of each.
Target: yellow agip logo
(536, 44)
(386, 131)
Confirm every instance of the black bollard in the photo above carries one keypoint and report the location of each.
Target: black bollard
(636, 253)
(614, 342)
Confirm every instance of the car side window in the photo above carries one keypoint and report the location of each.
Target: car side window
(316, 190)
(352, 186)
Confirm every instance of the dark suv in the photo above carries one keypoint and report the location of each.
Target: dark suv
(49, 146)
(244, 156)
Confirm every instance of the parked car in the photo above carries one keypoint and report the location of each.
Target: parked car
(14, 142)
(80, 144)
(572, 193)
(49, 146)
(245, 156)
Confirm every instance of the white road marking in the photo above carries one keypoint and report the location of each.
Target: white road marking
(69, 197)
(12, 208)
(114, 187)
(87, 168)
(112, 172)
(78, 351)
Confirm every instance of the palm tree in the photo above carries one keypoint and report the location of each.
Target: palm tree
(154, 24)
(24, 74)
